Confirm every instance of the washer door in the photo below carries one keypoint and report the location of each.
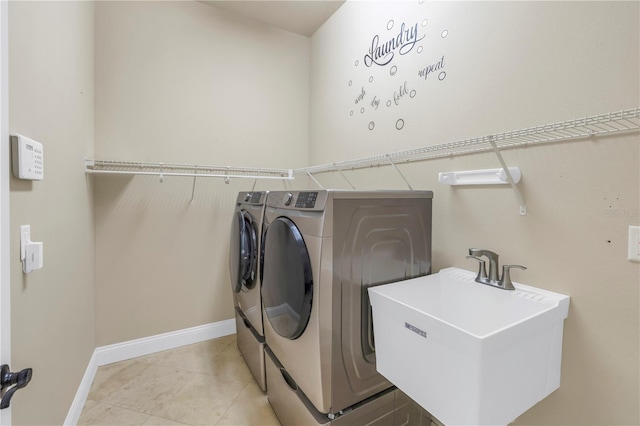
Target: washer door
(287, 285)
(243, 258)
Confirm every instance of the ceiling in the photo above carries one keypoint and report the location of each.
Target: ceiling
(302, 17)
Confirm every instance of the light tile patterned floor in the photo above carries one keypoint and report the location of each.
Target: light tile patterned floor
(206, 383)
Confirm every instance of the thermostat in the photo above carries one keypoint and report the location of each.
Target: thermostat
(27, 156)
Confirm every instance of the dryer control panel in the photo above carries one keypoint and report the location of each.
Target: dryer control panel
(306, 200)
(298, 200)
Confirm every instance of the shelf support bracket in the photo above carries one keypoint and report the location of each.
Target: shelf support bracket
(193, 188)
(523, 207)
(399, 172)
(343, 176)
(314, 179)
(286, 178)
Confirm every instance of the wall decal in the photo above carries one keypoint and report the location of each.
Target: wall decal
(361, 96)
(403, 43)
(398, 88)
(397, 95)
(375, 103)
(424, 73)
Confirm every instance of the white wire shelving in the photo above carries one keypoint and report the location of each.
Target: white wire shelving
(188, 170)
(597, 125)
(603, 124)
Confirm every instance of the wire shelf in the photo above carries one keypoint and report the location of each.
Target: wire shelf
(188, 170)
(614, 122)
(603, 124)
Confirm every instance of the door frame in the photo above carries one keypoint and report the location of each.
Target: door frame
(5, 153)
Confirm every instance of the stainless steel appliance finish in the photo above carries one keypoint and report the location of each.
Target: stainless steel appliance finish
(251, 346)
(390, 407)
(322, 250)
(244, 268)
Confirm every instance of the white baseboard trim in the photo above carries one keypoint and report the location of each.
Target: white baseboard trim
(109, 354)
(161, 342)
(83, 391)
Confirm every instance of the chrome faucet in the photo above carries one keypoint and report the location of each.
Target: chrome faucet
(492, 278)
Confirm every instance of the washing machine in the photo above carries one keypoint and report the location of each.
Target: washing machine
(322, 250)
(244, 268)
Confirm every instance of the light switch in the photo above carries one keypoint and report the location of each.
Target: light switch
(31, 253)
(634, 243)
(25, 237)
(33, 259)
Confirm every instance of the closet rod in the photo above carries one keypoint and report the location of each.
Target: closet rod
(187, 170)
(610, 123)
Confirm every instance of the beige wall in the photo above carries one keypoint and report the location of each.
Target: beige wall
(51, 100)
(183, 82)
(509, 65)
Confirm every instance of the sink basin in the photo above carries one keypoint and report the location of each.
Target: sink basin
(470, 354)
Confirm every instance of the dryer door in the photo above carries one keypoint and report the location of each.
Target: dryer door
(243, 256)
(287, 283)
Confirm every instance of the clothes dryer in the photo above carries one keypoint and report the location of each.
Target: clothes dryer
(322, 250)
(244, 268)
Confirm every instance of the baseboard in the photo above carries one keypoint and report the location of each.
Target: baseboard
(161, 342)
(83, 391)
(104, 355)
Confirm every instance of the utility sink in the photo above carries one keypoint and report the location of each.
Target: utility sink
(469, 353)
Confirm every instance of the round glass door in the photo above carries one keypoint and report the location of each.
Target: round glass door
(243, 254)
(287, 284)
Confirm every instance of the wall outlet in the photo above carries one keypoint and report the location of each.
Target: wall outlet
(634, 244)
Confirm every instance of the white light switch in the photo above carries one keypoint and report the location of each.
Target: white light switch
(33, 258)
(634, 243)
(31, 253)
(25, 237)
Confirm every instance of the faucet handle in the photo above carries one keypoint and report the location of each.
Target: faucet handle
(482, 270)
(505, 281)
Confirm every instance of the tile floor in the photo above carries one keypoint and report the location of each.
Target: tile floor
(205, 383)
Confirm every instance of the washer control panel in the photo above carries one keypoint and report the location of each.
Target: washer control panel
(256, 197)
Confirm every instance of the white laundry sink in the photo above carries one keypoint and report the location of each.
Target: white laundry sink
(470, 354)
